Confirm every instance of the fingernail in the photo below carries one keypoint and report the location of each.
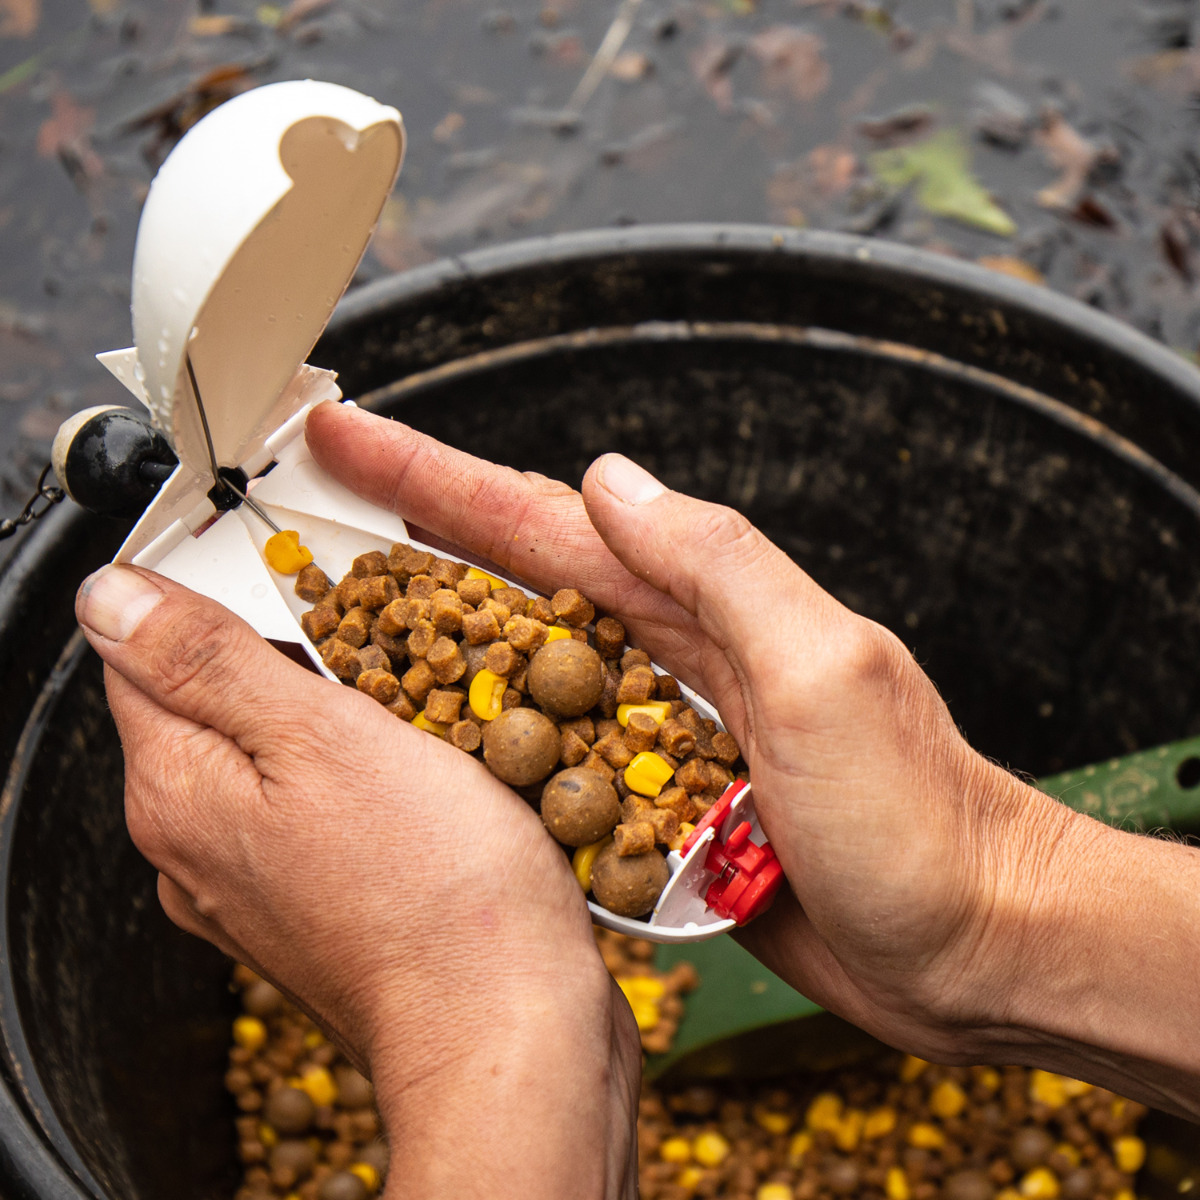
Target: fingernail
(627, 481)
(114, 601)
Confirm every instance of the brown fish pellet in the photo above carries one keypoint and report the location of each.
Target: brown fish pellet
(372, 658)
(446, 660)
(610, 637)
(379, 685)
(312, 583)
(443, 705)
(320, 622)
(374, 562)
(632, 838)
(473, 591)
(637, 686)
(480, 627)
(466, 735)
(354, 628)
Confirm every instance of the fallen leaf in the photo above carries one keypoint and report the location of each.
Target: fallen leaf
(832, 169)
(1089, 211)
(630, 66)
(794, 60)
(19, 18)
(1018, 268)
(213, 25)
(902, 123)
(1176, 248)
(940, 169)
(448, 126)
(711, 64)
(1074, 156)
(64, 135)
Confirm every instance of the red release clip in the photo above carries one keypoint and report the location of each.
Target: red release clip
(747, 876)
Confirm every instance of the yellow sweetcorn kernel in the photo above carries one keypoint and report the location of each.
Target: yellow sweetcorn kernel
(848, 1131)
(648, 773)
(710, 1149)
(319, 1085)
(421, 721)
(824, 1112)
(583, 859)
(476, 573)
(314, 1038)
(771, 1120)
(267, 1135)
(947, 1100)
(774, 1191)
(1075, 1087)
(641, 987)
(645, 1014)
(911, 1068)
(1039, 1184)
(659, 710)
(249, 1033)
(486, 694)
(555, 632)
(1067, 1151)
(896, 1184)
(989, 1078)
(798, 1147)
(879, 1123)
(1129, 1153)
(1047, 1088)
(366, 1173)
(1124, 1194)
(689, 1178)
(685, 831)
(926, 1136)
(676, 1150)
(284, 553)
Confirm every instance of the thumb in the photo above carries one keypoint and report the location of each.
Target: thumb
(742, 589)
(194, 657)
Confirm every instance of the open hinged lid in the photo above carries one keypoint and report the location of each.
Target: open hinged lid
(252, 231)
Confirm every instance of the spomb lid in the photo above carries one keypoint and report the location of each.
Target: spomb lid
(252, 231)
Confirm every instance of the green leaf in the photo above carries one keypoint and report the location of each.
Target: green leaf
(940, 169)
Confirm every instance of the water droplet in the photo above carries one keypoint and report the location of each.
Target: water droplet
(163, 346)
(258, 591)
(139, 372)
(179, 295)
(165, 392)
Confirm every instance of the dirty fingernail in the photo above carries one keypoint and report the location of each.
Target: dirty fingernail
(627, 481)
(114, 601)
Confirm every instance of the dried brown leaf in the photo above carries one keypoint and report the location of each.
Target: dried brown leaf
(630, 66)
(1018, 268)
(711, 64)
(64, 135)
(1074, 156)
(794, 60)
(19, 18)
(300, 10)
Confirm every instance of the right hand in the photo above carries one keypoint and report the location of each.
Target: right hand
(935, 900)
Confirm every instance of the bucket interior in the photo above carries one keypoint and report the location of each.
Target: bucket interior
(1045, 573)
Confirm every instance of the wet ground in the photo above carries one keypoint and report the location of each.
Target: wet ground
(1057, 141)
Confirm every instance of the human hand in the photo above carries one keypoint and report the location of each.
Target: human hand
(387, 881)
(921, 874)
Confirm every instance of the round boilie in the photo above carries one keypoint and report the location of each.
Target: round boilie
(968, 1185)
(629, 886)
(342, 1185)
(293, 1154)
(566, 677)
(521, 746)
(262, 999)
(289, 1110)
(579, 806)
(1031, 1146)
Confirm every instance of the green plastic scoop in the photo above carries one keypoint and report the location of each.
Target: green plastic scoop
(744, 1018)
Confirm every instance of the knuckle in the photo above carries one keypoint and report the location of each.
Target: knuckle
(190, 650)
(725, 532)
(871, 658)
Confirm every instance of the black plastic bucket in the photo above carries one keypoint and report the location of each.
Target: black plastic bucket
(1003, 476)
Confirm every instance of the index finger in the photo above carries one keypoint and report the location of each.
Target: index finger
(534, 527)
